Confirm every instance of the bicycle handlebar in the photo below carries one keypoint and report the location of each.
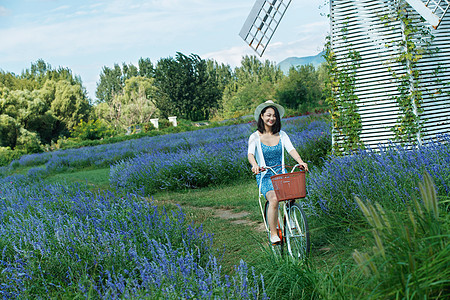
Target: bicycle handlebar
(271, 168)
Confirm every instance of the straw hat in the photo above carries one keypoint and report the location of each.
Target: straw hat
(265, 104)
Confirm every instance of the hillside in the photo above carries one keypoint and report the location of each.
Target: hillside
(286, 64)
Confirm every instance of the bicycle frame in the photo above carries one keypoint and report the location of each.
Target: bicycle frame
(283, 202)
(292, 227)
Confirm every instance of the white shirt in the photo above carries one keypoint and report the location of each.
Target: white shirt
(254, 147)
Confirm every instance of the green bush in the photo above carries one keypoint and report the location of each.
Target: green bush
(410, 251)
(28, 141)
(92, 130)
(9, 131)
(148, 127)
(7, 155)
(163, 123)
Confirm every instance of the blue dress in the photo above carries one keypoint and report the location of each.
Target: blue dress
(272, 157)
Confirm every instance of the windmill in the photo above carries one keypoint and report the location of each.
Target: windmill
(262, 22)
(367, 33)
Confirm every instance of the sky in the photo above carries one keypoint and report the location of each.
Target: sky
(86, 35)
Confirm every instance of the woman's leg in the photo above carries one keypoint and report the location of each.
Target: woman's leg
(272, 213)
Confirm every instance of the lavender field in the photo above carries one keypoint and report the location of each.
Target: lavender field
(62, 240)
(388, 175)
(65, 241)
(213, 157)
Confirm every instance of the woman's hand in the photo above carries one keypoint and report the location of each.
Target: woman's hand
(256, 169)
(303, 166)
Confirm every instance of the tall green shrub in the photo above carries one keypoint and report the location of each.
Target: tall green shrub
(92, 130)
(409, 257)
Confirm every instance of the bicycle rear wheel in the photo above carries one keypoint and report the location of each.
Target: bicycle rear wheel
(296, 231)
(277, 249)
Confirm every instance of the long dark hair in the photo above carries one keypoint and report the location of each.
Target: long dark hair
(276, 127)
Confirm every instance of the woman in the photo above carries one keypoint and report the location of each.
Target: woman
(266, 148)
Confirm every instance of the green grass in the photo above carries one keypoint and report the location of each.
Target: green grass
(96, 178)
(329, 242)
(240, 196)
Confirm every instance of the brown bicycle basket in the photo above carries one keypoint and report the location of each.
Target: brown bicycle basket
(289, 186)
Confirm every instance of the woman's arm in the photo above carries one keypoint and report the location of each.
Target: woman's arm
(298, 159)
(252, 161)
(291, 150)
(251, 153)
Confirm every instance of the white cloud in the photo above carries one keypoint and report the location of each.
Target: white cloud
(3, 11)
(231, 56)
(86, 32)
(60, 8)
(306, 40)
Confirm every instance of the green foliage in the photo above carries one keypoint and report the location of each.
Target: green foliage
(164, 123)
(409, 259)
(341, 97)
(415, 44)
(36, 76)
(9, 131)
(44, 102)
(70, 104)
(134, 104)
(91, 130)
(7, 156)
(112, 80)
(253, 70)
(187, 89)
(28, 142)
(245, 98)
(288, 279)
(291, 91)
(300, 88)
(251, 83)
(222, 72)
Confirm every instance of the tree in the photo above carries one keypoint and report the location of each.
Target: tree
(110, 84)
(252, 69)
(146, 68)
(291, 91)
(133, 105)
(139, 96)
(112, 80)
(9, 131)
(185, 81)
(70, 104)
(40, 72)
(244, 99)
(301, 89)
(223, 73)
(28, 141)
(43, 101)
(252, 83)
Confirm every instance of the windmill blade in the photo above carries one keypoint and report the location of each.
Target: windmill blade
(431, 10)
(262, 22)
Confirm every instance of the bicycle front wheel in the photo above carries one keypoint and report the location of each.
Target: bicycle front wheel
(296, 231)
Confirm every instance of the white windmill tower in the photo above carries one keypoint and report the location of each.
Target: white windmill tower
(364, 26)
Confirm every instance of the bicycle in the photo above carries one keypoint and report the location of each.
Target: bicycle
(295, 230)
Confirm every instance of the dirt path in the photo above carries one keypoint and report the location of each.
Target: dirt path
(235, 218)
